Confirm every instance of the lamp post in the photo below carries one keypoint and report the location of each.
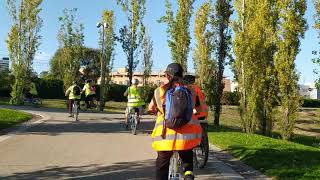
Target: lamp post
(103, 65)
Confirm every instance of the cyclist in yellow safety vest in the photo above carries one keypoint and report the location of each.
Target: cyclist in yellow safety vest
(182, 140)
(74, 93)
(89, 92)
(135, 100)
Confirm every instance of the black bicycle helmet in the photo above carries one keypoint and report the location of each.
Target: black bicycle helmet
(174, 70)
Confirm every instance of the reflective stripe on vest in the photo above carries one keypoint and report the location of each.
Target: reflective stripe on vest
(178, 137)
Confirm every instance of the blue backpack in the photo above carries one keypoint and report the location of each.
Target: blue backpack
(179, 107)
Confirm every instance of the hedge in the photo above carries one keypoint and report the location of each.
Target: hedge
(50, 89)
(230, 98)
(5, 92)
(314, 103)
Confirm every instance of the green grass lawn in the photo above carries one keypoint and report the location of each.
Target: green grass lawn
(273, 157)
(10, 118)
(111, 106)
(298, 158)
(54, 103)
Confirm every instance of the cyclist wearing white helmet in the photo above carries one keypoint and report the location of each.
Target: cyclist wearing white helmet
(135, 100)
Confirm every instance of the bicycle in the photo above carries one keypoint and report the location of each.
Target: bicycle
(201, 152)
(75, 110)
(175, 167)
(33, 101)
(133, 120)
(93, 105)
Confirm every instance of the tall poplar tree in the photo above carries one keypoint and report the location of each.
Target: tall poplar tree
(254, 48)
(204, 61)
(71, 41)
(317, 27)
(147, 59)
(131, 37)
(292, 28)
(23, 42)
(108, 54)
(178, 30)
(221, 25)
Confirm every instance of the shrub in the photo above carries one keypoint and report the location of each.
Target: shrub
(230, 98)
(50, 88)
(315, 103)
(115, 93)
(148, 92)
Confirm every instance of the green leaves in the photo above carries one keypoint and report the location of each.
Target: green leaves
(178, 30)
(131, 37)
(203, 56)
(267, 42)
(316, 60)
(293, 26)
(23, 42)
(71, 40)
(147, 59)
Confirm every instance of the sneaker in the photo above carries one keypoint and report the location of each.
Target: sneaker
(188, 175)
(70, 115)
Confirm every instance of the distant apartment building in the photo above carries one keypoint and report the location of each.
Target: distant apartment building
(309, 91)
(121, 77)
(4, 64)
(158, 78)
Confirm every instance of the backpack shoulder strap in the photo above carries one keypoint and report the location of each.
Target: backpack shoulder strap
(157, 96)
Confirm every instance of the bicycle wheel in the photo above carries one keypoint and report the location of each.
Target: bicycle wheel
(75, 111)
(175, 167)
(134, 124)
(201, 152)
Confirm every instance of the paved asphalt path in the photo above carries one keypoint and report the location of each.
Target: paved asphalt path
(96, 147)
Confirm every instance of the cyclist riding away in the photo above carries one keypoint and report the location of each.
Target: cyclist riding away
(201, 107)
(167, 140)
(135, 100)
(74, 93)
(89, 91)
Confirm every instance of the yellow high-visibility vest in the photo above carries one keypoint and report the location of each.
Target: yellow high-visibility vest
(134, 97)
(185, 138)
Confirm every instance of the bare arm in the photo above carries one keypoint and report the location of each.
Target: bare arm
(68, 92)
(126, 93)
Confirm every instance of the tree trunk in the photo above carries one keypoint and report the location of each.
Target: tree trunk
(130, 68)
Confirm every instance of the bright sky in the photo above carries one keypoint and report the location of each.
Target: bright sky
(90, 13)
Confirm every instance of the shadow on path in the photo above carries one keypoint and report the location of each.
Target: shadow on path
(118, 171)
(56, 127)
